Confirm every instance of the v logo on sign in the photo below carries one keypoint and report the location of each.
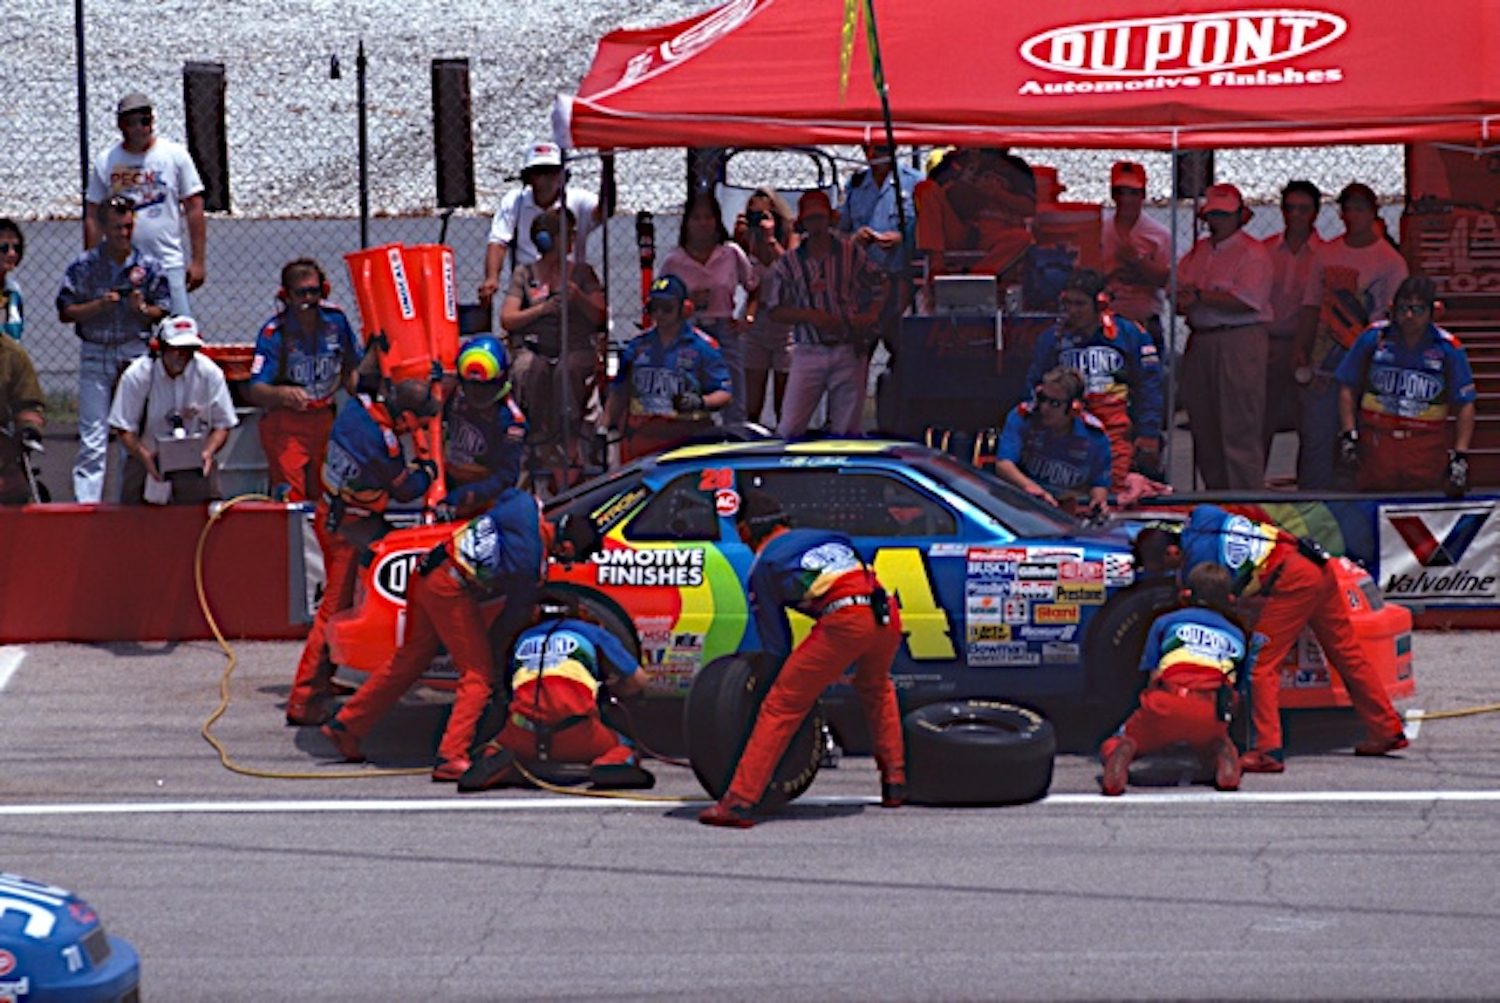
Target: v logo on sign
(1426, 547)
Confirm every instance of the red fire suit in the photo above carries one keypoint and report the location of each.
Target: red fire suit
(819, 573)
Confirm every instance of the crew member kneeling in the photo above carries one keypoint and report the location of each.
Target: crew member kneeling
(1194, 656)
(559, 668)
(820, 574)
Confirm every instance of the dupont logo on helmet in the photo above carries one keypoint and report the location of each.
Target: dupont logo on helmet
(1187, 43)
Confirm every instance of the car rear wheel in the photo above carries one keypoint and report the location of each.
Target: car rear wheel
(977, 752)
(1113, 657)
(720, 714)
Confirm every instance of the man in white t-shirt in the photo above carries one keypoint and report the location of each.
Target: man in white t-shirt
(1354, 278)
(541, 189)
(159, 177)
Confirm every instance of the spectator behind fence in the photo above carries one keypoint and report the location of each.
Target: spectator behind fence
(541, 190)
(714, 267)
(765, 232)
(114, 293)
(1292, 254)
(868, 216)
(1354, 279)
(173, 413)
(1053, 449)
(1137, 252)
(157, 175)
(1120, 369)
(532, 316)
(303, 356)
(671, 377)
(21, 420)
(831, 294)
(1399, 383)
(12, 250)
(1224, 288)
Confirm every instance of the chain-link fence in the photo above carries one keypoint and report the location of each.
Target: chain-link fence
(293, 181)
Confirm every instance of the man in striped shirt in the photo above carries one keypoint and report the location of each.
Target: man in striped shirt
(831, 294)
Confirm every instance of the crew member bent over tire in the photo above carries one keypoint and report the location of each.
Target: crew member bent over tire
(820, 574)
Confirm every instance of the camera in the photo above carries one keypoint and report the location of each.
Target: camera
(756, 217)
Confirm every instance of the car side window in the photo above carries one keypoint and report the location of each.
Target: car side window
(680, 511)
(859, 504)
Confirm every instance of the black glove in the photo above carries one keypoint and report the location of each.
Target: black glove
(31, 437)
(1458, 474)
(1349, 450)
(687, 401)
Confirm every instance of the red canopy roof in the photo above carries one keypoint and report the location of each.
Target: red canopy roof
(1105, 73)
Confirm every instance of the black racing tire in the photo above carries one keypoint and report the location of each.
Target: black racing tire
(977, 752)
(719, 716)
(1112, 658)
(598, 609)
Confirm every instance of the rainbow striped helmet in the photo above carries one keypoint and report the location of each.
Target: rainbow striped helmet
(483, 366)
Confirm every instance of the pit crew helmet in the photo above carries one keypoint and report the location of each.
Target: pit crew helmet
(484, 369)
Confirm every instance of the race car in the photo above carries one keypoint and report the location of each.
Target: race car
(1001, 595)
(53, 947)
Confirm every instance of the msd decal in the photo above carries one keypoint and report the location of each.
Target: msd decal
(1230, 48)
(1447, 554)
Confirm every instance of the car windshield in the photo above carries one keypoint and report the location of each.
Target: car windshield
(1015, 509)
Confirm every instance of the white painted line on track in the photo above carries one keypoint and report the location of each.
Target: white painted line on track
(11, 657)
(559, 803)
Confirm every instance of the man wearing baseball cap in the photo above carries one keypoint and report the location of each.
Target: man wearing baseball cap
(1224, 288)
(542, 182)
(671, 377)
(173, 412)
(832, 295)
(160, 179)
(1353, 280)
(1137, 252)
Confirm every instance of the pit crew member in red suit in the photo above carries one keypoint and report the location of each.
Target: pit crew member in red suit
(671, 377)
(1193, 655)
(365, 466)
(559, 667)
(486, 429)
(499, 553)
(303, 355)
(820, 574)
(1300, 589)
(1053, 449)
(1408, 376)
(1120, 367)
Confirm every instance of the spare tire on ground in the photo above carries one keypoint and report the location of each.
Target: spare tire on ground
(977, 752)
(720, 713)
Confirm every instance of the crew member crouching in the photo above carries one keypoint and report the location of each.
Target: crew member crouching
(1194, 656)
(558, 670)
(820, 574)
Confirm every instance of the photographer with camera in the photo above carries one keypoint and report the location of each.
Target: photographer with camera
(832, 295)
(113, 294)
(173, 412)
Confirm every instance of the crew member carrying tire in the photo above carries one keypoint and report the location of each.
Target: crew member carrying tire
(1194, 656)
(559, 667)
(820, 574)
(1300, 589)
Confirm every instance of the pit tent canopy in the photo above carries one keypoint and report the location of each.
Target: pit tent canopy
(1138, 74)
